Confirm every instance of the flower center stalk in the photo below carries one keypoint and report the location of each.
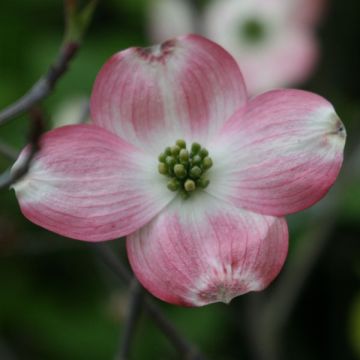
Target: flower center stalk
(185, 169)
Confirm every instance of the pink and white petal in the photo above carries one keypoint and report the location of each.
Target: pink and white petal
(169, 18)
(186, 87)
(87, 184)
(280, 154)
(203, 251)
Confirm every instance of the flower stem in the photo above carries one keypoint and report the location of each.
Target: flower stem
(36, 129)
(183, 346)
(44, 86)
(136, 297)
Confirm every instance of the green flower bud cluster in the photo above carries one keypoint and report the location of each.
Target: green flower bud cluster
(185, 168)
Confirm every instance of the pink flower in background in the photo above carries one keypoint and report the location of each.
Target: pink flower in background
(273, 40)
(193, 173)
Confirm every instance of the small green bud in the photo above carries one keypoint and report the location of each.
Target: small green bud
(162, 157)
(170, 161)
(175, 150)
(195, 172)
(181, 144)
(180, 171)
(196, 160)
(184, 155)
(173, 185)
(185, 168)
(163, 169)
(189, 185)
(203, 183)
(207, 163)
(203, 152)
(195, 148)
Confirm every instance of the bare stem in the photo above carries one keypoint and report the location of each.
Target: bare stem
(76, 24)
(187, 350)
(36, 129)
(42, 87)
(134, 311)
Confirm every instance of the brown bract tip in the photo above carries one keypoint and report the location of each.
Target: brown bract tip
(157, 52)
(340, 128)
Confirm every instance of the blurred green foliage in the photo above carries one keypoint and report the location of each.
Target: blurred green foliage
(58, 302)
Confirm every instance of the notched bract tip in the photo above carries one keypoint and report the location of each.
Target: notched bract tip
(157, 52)
(340, 128)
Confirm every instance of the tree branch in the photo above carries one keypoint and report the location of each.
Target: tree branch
(187, 350)
(36, 129)
(42, 87)
(76, 23)
(135, 305)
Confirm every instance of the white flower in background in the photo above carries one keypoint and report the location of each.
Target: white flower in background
(170, 18)
(71, 111)
(273, 40)
(274, 48)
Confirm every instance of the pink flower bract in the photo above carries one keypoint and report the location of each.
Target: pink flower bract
(273, 155)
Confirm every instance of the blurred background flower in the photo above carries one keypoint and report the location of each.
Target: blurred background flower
(72, 110)
(274, 41)
(170, 18)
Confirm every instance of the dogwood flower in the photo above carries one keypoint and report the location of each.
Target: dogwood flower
(273, 41)
(196, 175)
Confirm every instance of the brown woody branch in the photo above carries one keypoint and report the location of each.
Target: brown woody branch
(136, 297)
(185, 348)
(36, 129)
(42, 87)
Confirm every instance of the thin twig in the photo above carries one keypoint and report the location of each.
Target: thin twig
(136, 295)
(42, 87)
(76, 23)
(36, 129)
(110, 259)
(187, 350)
